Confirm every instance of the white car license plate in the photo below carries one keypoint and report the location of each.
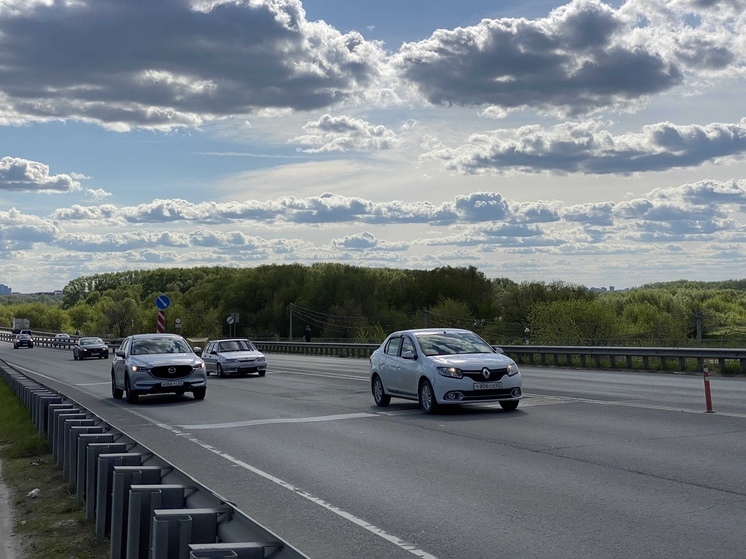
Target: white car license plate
(487, 385)
(172, 383)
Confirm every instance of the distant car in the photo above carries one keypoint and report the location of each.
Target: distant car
(62, 339)
(27, 332)
(157, 363)
(23, 340)
(441, 366)
(233, 357)
(90, 347)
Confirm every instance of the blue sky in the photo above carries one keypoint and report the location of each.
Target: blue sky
(588, 142)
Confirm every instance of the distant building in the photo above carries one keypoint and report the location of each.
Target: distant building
(5, 290)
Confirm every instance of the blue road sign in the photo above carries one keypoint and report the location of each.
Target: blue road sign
(162, 302)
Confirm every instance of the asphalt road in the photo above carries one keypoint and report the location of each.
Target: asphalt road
(592, 464)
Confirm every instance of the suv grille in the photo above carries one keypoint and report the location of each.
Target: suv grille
(180, 371)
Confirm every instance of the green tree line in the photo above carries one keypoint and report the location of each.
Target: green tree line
(343, 302)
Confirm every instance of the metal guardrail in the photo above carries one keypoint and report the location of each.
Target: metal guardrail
(636, 358)
(148, 508)
(642, 358)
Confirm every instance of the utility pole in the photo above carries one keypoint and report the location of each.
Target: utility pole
(290, 337)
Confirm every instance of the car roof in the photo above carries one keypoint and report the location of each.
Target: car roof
(231, 340)
(155, 335)
(421, 331)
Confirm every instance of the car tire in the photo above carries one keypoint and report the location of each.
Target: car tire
(75, 357)
(116, 393)
(510, 405)
(219, 371)
(379, 394)
(199, 393)
(132, 395)
(262, 373)
(426, 397)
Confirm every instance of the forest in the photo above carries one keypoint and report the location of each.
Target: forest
(350, 303)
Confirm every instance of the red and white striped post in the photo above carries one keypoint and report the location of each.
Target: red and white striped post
(708, 396)
(160, 326)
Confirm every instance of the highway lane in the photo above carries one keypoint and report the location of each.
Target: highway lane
(604, 464)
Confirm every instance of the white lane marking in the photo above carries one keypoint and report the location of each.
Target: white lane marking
(305, 495)
(92, 383)
(278, 420)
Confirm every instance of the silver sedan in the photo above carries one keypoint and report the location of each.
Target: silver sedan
(442, 366)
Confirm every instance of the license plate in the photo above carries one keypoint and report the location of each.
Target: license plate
(487, 385)
(172, 383)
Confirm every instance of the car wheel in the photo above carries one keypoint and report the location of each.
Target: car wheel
(379, 395)
(219, 370)
(199, 393)
(106, 356)
(262, 373)
(132, 395)
(427, 397)
(509, 406)
(116, 393)
(75, 357)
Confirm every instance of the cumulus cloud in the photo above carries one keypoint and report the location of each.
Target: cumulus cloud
(22, 175)
(367, 242)
(173, 63)
(345, 133)
(586, 147)
(582, 57)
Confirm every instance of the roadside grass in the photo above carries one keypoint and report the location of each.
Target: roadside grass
(51, 524)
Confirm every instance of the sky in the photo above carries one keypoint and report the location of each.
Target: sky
(600, 144)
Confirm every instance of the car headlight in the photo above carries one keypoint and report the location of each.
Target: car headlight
(139, 369)
(452, 372)
(512, 369)
(199, 367)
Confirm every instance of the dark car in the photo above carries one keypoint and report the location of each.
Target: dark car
(90, 347)
(157, 363)
(23, 340)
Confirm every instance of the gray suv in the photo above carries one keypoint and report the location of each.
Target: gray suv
(156, 364)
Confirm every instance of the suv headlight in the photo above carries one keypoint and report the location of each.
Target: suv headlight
(199, 366)
(139, 369)
(451, 372)
(512, 369)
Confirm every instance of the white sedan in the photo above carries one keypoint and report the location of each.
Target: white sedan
(440, 366)
(233, 357)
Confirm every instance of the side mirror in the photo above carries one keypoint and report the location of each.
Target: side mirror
(197, 350)
(119, 353)
(409, 355)
(497, 349)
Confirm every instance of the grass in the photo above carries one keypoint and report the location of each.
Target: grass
(53, 523)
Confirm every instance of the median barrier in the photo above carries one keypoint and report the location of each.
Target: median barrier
(145, 506)
(600, 357)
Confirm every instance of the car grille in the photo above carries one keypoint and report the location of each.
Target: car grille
(477, 376)
(179, 371)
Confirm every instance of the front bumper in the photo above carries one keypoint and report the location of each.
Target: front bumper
(455, 391)
(150, 385)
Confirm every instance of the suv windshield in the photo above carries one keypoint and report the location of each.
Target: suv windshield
(159, 345)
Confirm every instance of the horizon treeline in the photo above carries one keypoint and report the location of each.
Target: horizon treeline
(345, 302)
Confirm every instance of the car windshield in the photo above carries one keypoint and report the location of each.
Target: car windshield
(453, 343)
(91, 341)
(235, 345)
(159, 345)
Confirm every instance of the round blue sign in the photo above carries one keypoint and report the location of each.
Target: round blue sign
(162, 302)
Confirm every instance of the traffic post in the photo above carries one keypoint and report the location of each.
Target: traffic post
(162, 302)
(708, 396)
